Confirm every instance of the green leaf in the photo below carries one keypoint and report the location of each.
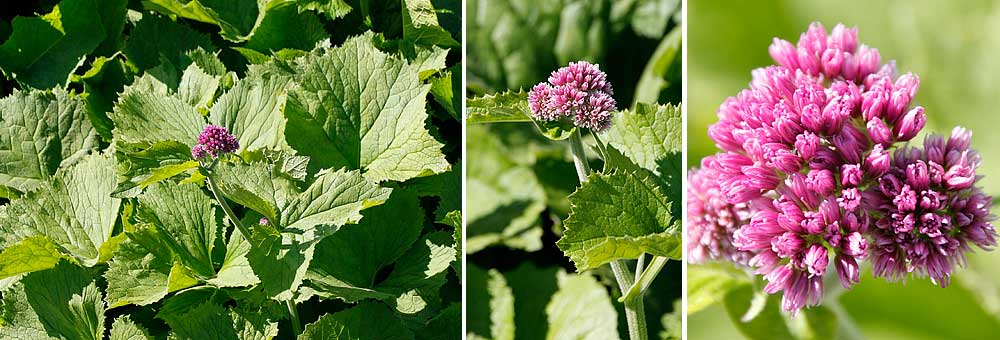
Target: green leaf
(421, 268)
(172, 249)
(102, 83)
(508, 106)
(124, 329)
(446, 186)
(362, 250)
(282, 252)
(143, 164)
(619, 216)
(429, 60)
(343, 115)
(286, 27)
(650, 17)
(420, 25)
(42, 52)
(76, 211)
(446, 323)
(581, 309)
(197, 87)
(444, 88)
(769, 322)
(647, 135)
(39, 133)
(59, 303)
(490, 304)
(236, 19)
(31, 254)
(332, 8)
(251, 111)
(364, 321)
(156, 38)
(508, 195)
(147, 111)
(258, 186)
(205, 319)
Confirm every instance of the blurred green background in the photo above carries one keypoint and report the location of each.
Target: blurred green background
(953, 46)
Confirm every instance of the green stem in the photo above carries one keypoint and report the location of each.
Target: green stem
(643, 281)
(294, 313)
(579, 156)
(635, 314)
(225, 207)
(640, 265)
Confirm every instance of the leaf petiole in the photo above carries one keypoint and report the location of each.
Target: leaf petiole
(225, 207)
(643, 281)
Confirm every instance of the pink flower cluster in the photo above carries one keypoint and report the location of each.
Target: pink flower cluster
(580, 92)
(807, 150)
(213, 141)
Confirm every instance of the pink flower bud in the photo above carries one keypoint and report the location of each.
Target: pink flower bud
(910, 124)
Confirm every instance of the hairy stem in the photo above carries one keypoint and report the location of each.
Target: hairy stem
(293, 311)
(634, 310)
(225, 207)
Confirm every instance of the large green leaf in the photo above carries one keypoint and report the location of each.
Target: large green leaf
(59, 303)
(286, 27)
(362, 250)
(172, 248)
(251, 111)
(40, 132)
(149, 111)
(619, 216)
(194, 314)
(43, 52)
(75, 212)
(360, 108)
(364, 321)
(281, 252)
(124, 329)
(648, 135)
(31, 254)
(156, 39)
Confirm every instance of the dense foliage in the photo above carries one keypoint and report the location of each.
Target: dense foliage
(534, 273)
(344, 171)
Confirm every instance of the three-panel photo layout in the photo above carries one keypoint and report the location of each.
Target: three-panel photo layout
(499, 169)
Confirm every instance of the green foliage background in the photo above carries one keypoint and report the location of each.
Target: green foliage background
(518, 181)
(347, 115)
(952, 46)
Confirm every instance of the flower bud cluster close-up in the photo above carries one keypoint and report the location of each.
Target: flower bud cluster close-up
(819, 171)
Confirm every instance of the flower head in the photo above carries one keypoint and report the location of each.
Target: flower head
(712, 220)
(807, 150)
(928, 211)
(579, 92)
(213, 141)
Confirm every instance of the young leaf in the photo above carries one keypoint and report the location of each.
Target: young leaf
(251, 111)
(343, 115)
(619, 216)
